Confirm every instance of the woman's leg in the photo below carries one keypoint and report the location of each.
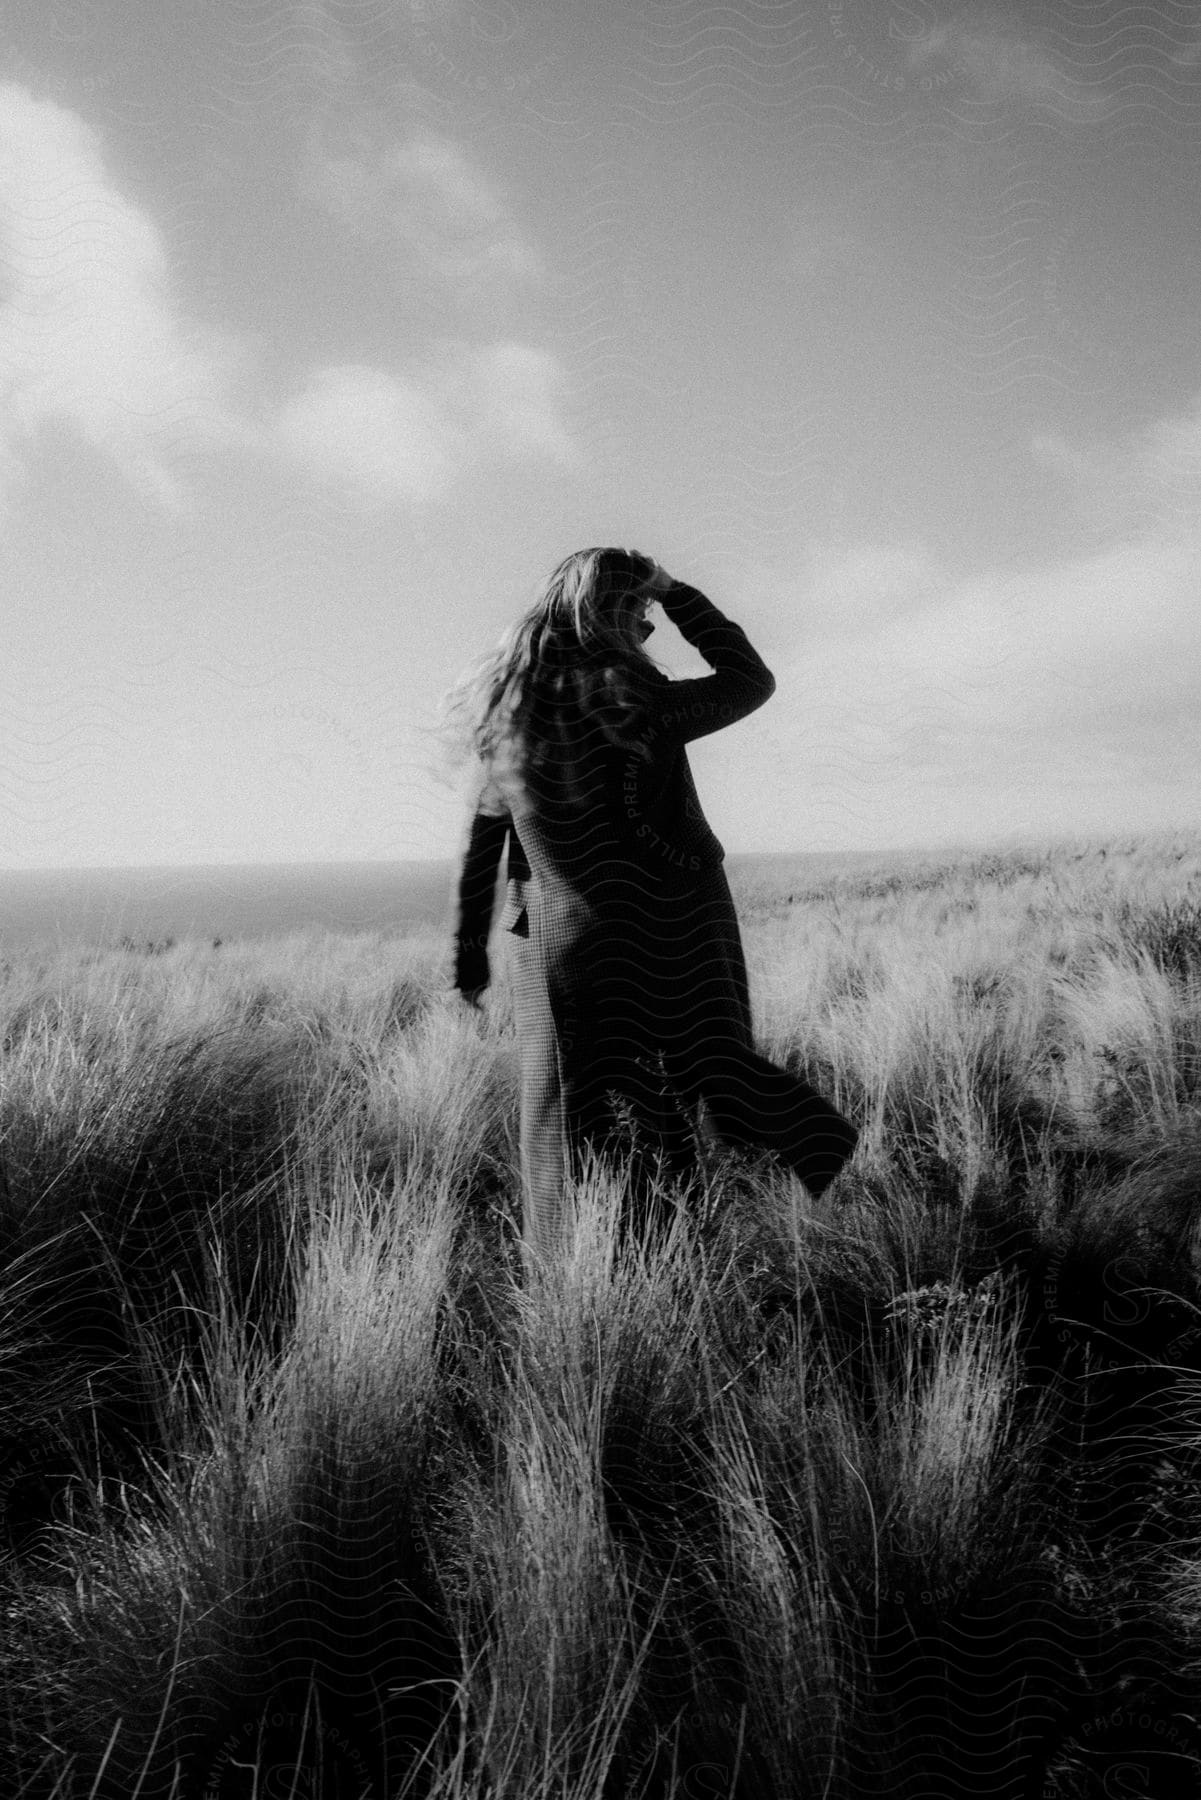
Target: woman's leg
(544, 1152)
(583, 1089)
(542, 1131)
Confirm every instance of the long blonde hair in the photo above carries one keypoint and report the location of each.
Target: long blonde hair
(570, 666)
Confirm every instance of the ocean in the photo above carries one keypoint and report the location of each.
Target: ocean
(151, 905)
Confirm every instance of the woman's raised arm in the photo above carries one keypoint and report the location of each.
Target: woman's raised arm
(741, 680)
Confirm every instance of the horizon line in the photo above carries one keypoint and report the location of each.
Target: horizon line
(1007, 841)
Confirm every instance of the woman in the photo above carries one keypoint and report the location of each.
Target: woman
(630, 983)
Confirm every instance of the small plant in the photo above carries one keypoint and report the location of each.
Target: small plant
(1169, 932)
(928, 1311)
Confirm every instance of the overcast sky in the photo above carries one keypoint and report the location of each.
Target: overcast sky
(326, 329)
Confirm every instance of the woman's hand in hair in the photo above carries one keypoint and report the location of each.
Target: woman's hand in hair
(660, 582)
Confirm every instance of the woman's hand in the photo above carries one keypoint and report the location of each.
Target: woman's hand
(660, 582)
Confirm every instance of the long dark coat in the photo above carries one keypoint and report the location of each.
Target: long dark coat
(630, 982)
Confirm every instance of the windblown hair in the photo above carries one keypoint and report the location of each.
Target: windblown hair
(570, 668)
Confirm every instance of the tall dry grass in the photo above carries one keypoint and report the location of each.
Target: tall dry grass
(305, 1486)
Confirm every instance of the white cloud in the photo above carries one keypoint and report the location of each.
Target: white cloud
(435, 12)
(999, 63)
(1054, 699)
(847, 588)
(89, 335)
(91, 338)
(515, 393)
(1148, 482)
(381, 435)
(424, 200)
(408, 437)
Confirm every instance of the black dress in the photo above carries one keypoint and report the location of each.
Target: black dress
(629, 978)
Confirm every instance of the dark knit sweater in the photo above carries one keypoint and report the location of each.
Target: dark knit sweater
(649, 824)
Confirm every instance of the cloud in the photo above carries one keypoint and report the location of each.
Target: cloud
(89, 334)
(1058, 698)
(423, 199)
(435, 12)
(408, 437)
(999, 63)
(382, 435)
(1039, 652)
(848, 588)
(1150, 481)
(515, 393)
(92, 339)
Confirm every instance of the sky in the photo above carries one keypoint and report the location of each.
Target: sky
(327, 327)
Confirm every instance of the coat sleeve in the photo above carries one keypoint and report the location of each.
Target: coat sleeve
(486, 838)
(740, 683)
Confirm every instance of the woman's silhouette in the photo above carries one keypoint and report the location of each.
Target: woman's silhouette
(629, 980)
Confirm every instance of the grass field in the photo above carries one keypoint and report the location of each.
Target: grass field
(304, 1491)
